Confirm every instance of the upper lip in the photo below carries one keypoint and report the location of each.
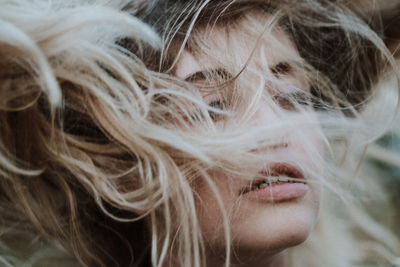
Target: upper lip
(274, 169)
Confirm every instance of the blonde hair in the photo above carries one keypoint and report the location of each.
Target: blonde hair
(92, 160)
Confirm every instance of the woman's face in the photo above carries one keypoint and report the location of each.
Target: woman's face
(264, 219)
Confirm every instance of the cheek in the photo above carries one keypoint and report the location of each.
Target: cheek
(213, 202)
(253, 225)
(275, 227)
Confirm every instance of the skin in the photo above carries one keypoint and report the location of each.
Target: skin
(261, 231)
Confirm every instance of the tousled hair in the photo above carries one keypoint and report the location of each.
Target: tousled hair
(101, 146)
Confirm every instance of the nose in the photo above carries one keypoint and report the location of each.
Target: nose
(266, 114)
(296, 131)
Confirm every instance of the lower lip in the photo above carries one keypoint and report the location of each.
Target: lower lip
(278, 192)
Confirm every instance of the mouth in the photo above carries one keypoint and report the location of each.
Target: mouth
(274, 175)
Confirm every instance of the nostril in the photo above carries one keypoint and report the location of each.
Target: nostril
(262, 147)
(278, 146)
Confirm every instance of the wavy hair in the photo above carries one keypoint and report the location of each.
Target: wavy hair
(101, 146)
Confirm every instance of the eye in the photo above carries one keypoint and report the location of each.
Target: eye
(281, 68)
(290, 101)
(217, 104)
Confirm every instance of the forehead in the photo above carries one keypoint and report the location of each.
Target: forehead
(251, 42)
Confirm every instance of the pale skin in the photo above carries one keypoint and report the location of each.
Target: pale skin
(261, 231)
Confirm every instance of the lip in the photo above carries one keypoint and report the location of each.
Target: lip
(279, 182)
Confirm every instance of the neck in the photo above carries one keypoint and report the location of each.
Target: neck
(251, 260)
(238, 260)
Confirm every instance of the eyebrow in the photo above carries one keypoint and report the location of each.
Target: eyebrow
(280, 68)
(201, 75)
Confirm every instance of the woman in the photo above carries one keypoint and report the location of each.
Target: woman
(217, 145)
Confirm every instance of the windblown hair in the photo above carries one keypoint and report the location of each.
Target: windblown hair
(101, 146)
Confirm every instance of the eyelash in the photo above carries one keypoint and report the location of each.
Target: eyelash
(288, 101)
(216, 104)
(281, 68)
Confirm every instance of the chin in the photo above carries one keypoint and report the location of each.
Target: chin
(275, 227)
(262, 227)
